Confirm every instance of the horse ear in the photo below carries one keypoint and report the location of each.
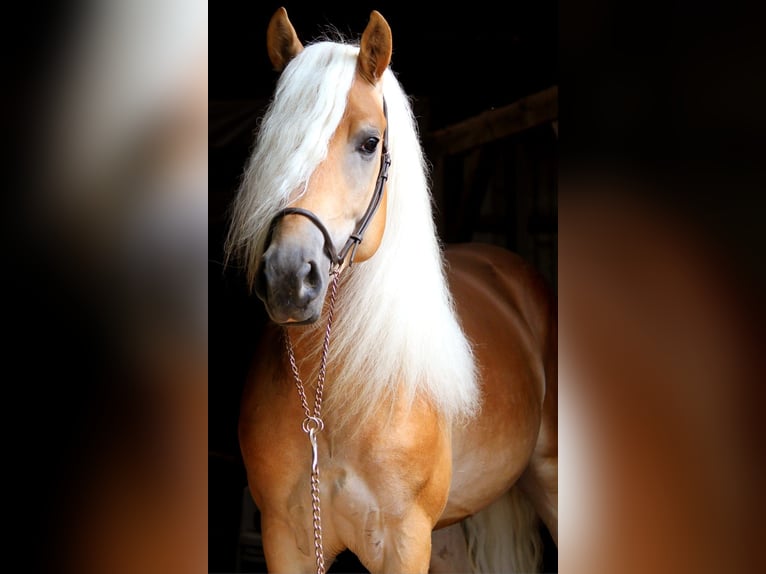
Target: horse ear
(281, 40)
(375, 49)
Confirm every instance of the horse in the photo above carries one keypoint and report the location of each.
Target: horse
(431, 444)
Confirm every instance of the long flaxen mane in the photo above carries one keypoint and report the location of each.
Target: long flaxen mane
(395, 332)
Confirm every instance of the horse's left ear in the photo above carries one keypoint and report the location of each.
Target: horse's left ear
(375, 48)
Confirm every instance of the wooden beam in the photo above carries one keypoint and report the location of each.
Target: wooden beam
(528, 112)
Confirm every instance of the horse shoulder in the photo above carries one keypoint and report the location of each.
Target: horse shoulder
(269, 422)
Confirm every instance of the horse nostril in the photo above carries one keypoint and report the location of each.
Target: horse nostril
(312, 280)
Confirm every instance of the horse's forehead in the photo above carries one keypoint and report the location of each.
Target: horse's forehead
(364, 104)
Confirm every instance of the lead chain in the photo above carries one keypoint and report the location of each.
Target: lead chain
(313, 422)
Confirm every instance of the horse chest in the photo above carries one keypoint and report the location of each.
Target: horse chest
(364, 493)
(368, 473)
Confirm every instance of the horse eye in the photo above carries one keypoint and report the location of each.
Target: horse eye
(370, 145)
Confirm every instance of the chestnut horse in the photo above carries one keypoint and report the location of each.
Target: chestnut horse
(423, 431)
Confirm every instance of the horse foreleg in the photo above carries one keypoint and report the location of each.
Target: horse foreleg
(289, 550)
(409, 545)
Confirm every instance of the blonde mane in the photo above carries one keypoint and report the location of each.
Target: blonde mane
(396, 332)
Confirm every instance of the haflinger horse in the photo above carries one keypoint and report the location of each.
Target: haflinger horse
(402, 402)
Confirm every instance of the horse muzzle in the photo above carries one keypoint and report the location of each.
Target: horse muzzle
(292, 283)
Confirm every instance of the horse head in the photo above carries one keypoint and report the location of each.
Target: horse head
(343, 198)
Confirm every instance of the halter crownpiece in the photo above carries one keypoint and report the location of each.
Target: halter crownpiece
(353, 241)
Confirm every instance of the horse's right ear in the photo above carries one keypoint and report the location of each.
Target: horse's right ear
(281, 40)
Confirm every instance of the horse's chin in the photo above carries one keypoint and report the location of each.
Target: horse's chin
(293, 317)
(293, 323)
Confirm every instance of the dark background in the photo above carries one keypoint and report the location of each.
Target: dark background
(465, 60)
(455, 63)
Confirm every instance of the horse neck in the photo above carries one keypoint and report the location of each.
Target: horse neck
(387, 357)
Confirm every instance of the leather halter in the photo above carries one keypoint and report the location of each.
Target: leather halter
(352, 243)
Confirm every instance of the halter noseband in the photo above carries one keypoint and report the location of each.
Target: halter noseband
(352, 243)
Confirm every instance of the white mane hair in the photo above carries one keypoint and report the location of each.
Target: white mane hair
(396, 333)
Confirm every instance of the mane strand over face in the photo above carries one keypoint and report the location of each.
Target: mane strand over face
(396, 333)
(307, 107)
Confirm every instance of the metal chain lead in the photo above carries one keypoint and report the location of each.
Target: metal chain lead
(313, 422)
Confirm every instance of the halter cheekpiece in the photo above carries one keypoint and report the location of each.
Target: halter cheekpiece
(352, 243)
